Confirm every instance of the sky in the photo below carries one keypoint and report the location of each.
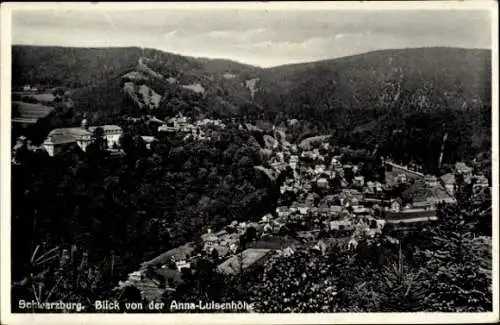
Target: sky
(259, 37)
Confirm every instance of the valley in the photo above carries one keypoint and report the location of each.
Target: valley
(143, 176)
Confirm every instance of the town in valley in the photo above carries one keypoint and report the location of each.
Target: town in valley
(356, 184)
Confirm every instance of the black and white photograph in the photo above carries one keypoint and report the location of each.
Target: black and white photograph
(250, 158)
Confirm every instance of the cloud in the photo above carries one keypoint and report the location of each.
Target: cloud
(171, 34)
(258, 36)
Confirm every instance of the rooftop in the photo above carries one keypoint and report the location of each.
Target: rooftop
(409, 214)
(404, 168)
(24, 120)
(148, 139)
(462, 167)
(74, 131)
(106, 128)
(167, 273)
(448, 178)
(243, 261)
(177, 253)
(412, 220)
(307, 144)
(149, 288)
(274, 243)
(67, 135)
(340, 223)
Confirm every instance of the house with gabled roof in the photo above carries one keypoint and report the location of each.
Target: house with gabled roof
(60, 138)
(302, 208)
(181, 253)
(327, 245)
(340, 225)
(448, 181)
(245, 261)
(283, 211)
(322, 183)
(359, 181)
(463, 169)
(336, 209)
(307, 236)
(360, 210)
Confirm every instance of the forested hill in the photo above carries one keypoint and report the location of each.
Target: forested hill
(96, 76)
(442, 76)
(416, 78)
(74, 67)
(402, 100)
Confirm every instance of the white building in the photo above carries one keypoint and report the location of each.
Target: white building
(135, 276)
(322, 183)
(182, 264)
(112, 134)
(359, 181)
(82, 136)
(60, 138)
(319, 169)
(282, 211)
(149, 140)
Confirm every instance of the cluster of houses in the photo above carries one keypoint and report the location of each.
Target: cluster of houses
(325, 199)
(28, 87)
(468, 177)
(200, 130)
(63, 139)
(329, 212)
(338, 216)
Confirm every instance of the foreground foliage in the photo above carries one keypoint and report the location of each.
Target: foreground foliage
(128, 208)
(444, 268)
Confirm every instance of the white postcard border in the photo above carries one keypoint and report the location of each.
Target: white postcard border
(353, 318)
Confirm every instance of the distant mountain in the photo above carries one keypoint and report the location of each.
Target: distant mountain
(78, 67)
(69, 67)
(362, 97)
(400, 101)
(442, 76)
(97, 78)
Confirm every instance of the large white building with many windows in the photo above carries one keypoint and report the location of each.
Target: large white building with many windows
(81, 136)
